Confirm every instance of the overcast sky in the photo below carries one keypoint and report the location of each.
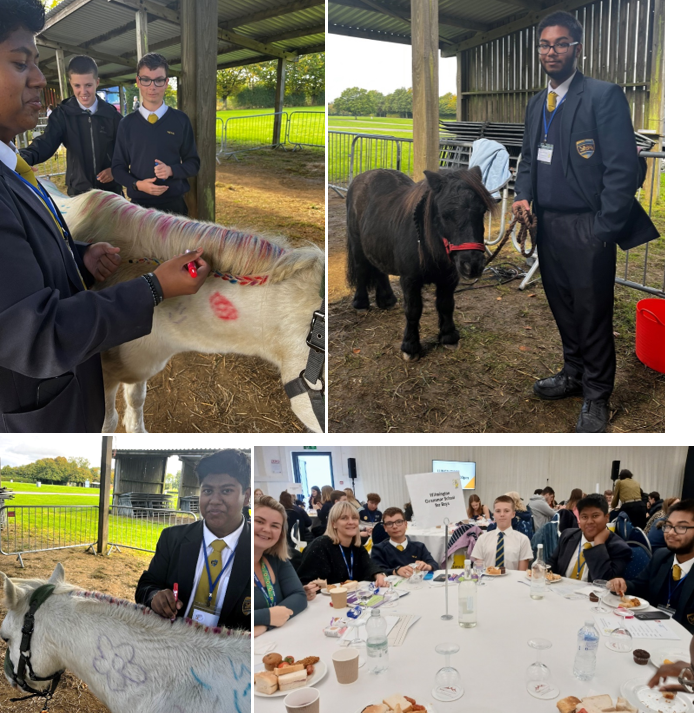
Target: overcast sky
(384, 66)
(17, 450)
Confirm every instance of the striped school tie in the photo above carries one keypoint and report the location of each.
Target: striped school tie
(580, 567)
(152, 118)
(500, 552)
(551, 98)
(215, 563)
(676, 572)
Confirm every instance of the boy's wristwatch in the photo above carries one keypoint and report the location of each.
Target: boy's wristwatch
(135, 186)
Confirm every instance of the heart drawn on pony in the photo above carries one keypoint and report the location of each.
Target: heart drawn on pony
(116, 663)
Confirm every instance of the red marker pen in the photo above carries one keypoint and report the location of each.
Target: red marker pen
(191, 267)
(176, 597)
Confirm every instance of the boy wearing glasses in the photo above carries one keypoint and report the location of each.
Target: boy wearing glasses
(155, 148)
(667, 581)
(579, 166)
(399, 555)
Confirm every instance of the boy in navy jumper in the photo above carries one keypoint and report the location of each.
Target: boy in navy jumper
(370, 514)
(155, 148)
(399, 555)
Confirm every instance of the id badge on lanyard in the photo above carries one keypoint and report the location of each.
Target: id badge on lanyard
(545, 150)
(205, 613)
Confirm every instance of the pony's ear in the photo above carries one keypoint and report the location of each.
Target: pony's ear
(434, 180)
(476, 170)
(58, 575)
(9, 591)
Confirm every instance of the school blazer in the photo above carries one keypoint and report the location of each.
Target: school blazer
(600, 158)
(606, 561)
(52, 330)
(175, 561)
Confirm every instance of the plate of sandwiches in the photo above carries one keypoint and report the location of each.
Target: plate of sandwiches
(396, 703)
(275, 676)
(653, 700)
(598, 703)
(550, 577)
(670, 655)
(630, 602)
(494, 572)
(349, 585)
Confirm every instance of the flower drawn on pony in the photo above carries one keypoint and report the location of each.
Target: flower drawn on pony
(131, 659)
(259, 300)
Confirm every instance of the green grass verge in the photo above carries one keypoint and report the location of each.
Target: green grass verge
(24, 499)
(54, 488)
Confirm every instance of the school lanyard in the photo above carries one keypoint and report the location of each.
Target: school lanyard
(210, 577)
(669, 586)
(553, 114)
(268, 591)
(578, 569)
(350, 570)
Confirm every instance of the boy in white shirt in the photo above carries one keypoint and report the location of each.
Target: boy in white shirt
(504, 546)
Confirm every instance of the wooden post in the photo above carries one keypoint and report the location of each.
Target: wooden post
(62, 79)
(141, 32)
(122, 100)
(279, 98)
(198, 91)
(656, 98)
(426, 105)
(104, 494)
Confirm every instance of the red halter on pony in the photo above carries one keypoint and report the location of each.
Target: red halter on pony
(462, 246)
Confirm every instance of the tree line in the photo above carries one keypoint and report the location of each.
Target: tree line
(59, 470)
(359, 102)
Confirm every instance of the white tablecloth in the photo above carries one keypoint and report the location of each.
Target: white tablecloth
(493, 656)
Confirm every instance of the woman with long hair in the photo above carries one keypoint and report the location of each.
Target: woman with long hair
(315, 498)
(339, 555)
(523, 520)
(351, 498)
(572, 503)
(278, 593)
(326, 492)
(476, 509)
(294, 514)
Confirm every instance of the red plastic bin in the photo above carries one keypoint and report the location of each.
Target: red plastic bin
(650, 333)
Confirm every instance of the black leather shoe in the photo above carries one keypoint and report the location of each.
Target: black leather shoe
(593, 417)
(559, 386)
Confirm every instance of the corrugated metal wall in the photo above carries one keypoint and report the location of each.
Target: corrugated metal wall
(504, 74)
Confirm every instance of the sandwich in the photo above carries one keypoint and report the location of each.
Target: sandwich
(398, 703)
(292, 680)
(567, 705)
(598, 703)
(265, 682)
(376, 708)
(287, 669)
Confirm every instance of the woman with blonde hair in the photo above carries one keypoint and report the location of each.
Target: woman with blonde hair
(339, 555)
(523, 520)
(572, 503)
(351, 498)
(519, 504)
(326, 492)
(278, 592)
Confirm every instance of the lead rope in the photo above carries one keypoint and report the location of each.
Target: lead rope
(527, 222)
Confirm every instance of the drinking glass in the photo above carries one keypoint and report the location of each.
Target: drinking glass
(390, 595)
(479, 570)
(448, 682)
(354, 640)
(620, 640)
(600, 590)
(538, 677)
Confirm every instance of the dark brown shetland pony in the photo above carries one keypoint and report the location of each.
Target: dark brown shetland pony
(426, 232)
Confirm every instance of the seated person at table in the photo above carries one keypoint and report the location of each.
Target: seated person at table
(503, 546)
(541, 506)
(209, 559)
(315, 498)
(278, 592)
(655, 534)
(668, 579)
(334, 498)
(399, 555)
(370, 514)
(476, 509)
(350, 497)
(294, 515)
(592, 551)
(339, 556)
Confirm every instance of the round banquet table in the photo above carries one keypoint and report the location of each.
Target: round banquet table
(493, 656)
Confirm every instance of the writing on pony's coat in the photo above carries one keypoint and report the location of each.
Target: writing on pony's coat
(177, 315)
(222, 307)
(116, 663)
(199, 680)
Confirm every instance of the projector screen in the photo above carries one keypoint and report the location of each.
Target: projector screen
(467, 471)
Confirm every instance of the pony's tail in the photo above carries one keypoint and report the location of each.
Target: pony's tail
(358, 267)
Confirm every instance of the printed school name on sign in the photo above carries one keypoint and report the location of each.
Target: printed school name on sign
(440, 498)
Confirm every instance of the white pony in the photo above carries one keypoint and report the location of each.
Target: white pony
(132, 659)
(259, 301)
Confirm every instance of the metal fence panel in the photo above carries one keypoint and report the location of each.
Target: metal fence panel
(306, 129)
(55, 166)
(248, 133)
(140, 528)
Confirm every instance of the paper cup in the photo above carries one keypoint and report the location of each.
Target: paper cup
(346, 662)
(339, 598)
(302, 700)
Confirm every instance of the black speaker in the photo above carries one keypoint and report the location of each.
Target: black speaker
(352, 472)
(615, 466)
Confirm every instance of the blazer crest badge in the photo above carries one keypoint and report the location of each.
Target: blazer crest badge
(585, 147)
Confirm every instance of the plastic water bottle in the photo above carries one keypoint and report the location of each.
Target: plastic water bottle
(586, 657)
(467, 598)
(377, 646)
(538, 584)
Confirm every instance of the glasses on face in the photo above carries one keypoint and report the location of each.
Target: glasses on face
(391, 524)
(147, 81)
(560, 48)
(679, 530)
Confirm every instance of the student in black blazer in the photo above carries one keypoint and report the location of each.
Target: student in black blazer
(225, 490)
(668, 579)
(608, 555)
(52, 329)
(580, 168)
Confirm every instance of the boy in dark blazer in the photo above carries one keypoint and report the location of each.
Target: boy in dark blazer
(607, 556)
(668, 579)
(52, 329)
(580, 168)
(182, 551)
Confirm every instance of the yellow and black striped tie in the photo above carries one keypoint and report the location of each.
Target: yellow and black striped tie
(500, 552)
(580, 567)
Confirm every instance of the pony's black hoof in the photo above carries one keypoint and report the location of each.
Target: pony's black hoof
(362, 310)
(387, 304)
(455, 346)
(409, 357)
(361, 306)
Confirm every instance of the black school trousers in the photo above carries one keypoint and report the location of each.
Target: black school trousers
(578, 272)
(174, 205)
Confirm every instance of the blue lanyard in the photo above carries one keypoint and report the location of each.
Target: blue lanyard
(553, 114)
(210, 577)
(350, 570)
(669, 585)
(41, 192)
(578, 570)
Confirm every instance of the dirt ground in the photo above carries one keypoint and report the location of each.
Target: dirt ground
(116, 574)
(279, 192)
(508, 340)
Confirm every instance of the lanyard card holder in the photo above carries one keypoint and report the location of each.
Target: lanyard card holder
(204, 615)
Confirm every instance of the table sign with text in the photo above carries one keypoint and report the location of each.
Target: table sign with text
(434, 497)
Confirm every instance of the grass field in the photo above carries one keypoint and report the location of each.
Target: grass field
(401, 128)
(53, 488)
(254, 127)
